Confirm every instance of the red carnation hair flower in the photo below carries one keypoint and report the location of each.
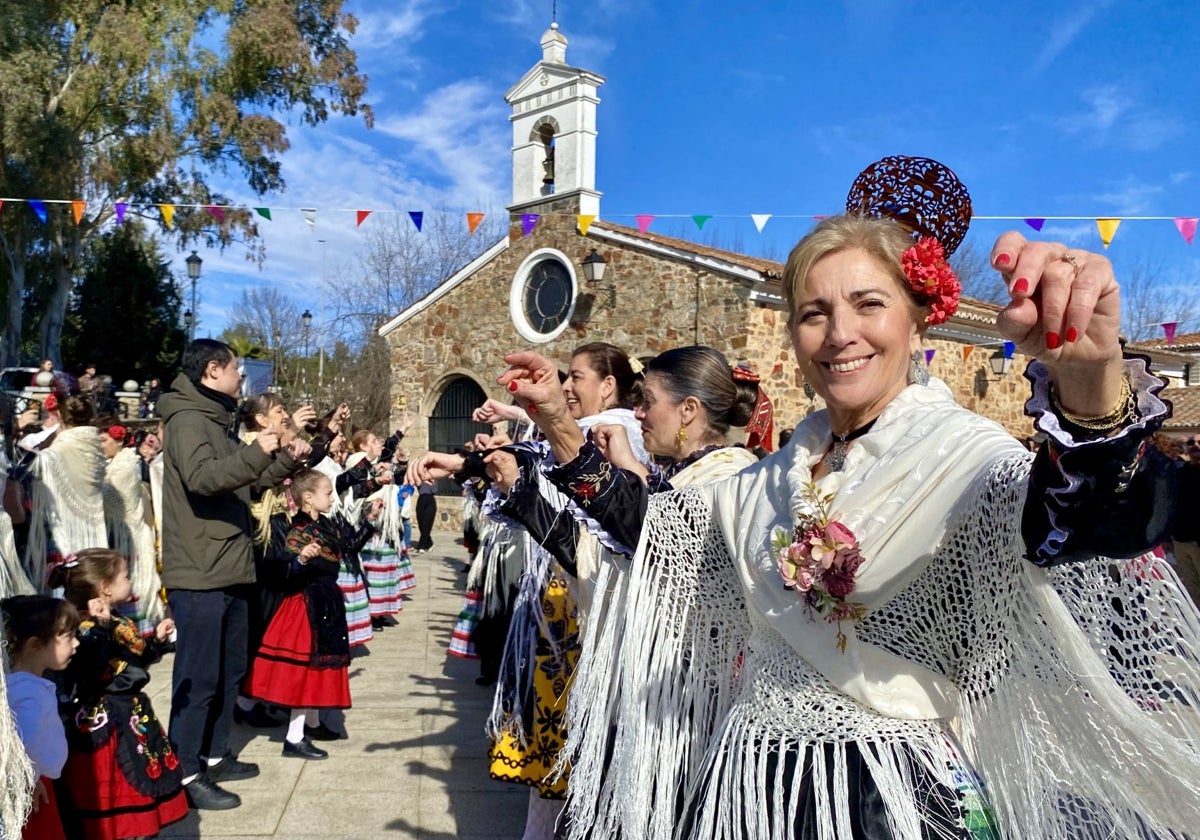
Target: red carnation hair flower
(931, 279)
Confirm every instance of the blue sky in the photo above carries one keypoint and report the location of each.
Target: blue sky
(1043, 109)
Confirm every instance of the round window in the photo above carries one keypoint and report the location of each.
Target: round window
(543, 296)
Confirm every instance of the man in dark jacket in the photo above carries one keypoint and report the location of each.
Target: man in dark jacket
(208, 562)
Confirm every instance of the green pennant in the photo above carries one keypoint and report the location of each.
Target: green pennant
(265, 212)
(700, 220)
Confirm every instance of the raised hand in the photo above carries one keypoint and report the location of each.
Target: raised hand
(1066, 311)
(267, 441)
(533, 381)
(431, 466)
(494, 411)
(502, 470)
(303, 415)
(613, 442)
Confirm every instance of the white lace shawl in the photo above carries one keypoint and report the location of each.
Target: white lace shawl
(130, 531)
(13, 580)
(1080, 718)
(16, 770)
(67, 496)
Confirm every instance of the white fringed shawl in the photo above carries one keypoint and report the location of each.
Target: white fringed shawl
(67, 498)
(16, 770)
(130, 531)
(968, 653)
(13, 580)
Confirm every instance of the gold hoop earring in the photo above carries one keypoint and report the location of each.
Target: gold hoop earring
(681, 437)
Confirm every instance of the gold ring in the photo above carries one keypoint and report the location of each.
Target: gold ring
(1069, 257)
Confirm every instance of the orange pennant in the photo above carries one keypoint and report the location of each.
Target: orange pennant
(77, 208)
(1108, 229)
(585, 222)
(967, 348)
(362, 217)
(168, 214)
(473, 220)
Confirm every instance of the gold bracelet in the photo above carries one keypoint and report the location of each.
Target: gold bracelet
(1125, 410)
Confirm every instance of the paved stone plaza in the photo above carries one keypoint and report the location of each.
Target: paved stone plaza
(415, 764)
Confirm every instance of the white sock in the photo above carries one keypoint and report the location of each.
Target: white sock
(311, 718)
(245, 703)
(295, 730)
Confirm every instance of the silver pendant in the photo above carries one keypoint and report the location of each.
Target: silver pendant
(835, 459)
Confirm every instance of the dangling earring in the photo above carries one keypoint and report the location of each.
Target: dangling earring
(808, 391)
(918, 374)
(681, 437)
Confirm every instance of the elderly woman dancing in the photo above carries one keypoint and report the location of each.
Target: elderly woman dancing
(898, 626)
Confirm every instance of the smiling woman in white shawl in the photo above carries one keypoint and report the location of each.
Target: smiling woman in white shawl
(897, 626)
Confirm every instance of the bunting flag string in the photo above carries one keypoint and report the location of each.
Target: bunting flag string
(1106, 226)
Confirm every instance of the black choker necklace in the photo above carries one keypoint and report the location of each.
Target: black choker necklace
(835, 459)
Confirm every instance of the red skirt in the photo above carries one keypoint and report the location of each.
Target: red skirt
(44, 823)
(282, 671)
(108, 807)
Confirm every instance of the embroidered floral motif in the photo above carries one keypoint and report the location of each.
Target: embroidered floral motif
(820, 559)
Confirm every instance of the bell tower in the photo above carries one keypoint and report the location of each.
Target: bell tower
(554, 131)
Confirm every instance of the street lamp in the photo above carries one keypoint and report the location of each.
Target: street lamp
(193, 269)
(275, 368)
(306, 319)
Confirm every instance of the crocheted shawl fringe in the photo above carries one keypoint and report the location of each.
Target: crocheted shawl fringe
(13, 580)
(130, 532)
(67, 497)
(16, 770)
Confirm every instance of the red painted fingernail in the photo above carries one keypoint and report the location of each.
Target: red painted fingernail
(1003, 259)
(1053, 342)
(1021, 287)
(1072, 335)
(533, 409)
(512, 386)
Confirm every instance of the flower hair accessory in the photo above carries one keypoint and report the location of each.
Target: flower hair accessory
(820, 559)
(931, 279)
(116, 432)
(745, 373)
(635, 364)
(760, 428)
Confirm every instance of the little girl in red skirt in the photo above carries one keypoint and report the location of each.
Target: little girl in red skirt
(122, 777)
(303, 661)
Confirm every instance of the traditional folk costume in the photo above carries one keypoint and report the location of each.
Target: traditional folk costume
(350, 580)
(542, 649)
(965, 692)
(462, 643)
(305, 653)
(122, 775)
(67, 513)
(16, 770)
(131, 533)
(34, 703)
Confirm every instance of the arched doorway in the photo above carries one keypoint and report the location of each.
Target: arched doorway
(450, 425)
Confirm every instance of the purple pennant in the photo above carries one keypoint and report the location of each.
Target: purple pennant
(528, 222)
(120, 209)
(216, 212)
(1009, 347)
(1036, 224)
(929, 357)
(417, 217)
(39, 208)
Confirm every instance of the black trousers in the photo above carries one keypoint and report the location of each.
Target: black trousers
(426, 511)
(210, 660)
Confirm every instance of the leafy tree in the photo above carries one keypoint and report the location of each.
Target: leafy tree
(124, 314)
(143, 103)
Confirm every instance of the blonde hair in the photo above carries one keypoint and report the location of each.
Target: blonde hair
(884, 240)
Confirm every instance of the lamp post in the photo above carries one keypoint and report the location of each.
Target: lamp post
(275, 367)
(306, 319)
(193, 269)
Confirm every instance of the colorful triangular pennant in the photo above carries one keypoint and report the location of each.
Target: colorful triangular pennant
(644, 221)
(700, 220)
(1169, 329)
(1009, 349)
(528, 222)
(168, 214)
(418, 218)
(585, 222)
(473, 220)
(760, 220)
(929, 357)
(966, 351)
(120, 207)
(216, 212)
(1036, 224)
(77, 208)
(39, 209)
(1108, 229)
(1187, 228)
(362, 217)
(265, 212)
(310, 217)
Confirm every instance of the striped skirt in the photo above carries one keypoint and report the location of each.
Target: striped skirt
(380, 563)
(358, 607)
(460, 640)
(404, 569)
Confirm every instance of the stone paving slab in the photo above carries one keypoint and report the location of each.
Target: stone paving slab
(415, 764)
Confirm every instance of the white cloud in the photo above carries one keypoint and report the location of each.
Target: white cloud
(396, 24)
(1064, 31)
(1074, 234)
(1112, 114)
(1131, 197)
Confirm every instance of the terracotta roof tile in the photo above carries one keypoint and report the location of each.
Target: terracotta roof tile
(1183, 341)
(1185, 403)
(768, 268)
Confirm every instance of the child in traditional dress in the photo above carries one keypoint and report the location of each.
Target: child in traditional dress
(40, 632)
(122, 776)
(304, 658)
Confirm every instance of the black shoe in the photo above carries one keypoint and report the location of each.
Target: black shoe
(204, 795)
(321, 732)
(258, 717)
(229, 769)
(304, 749)
(377, 623)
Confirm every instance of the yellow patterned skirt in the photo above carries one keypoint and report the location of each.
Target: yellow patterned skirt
(532, 764)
